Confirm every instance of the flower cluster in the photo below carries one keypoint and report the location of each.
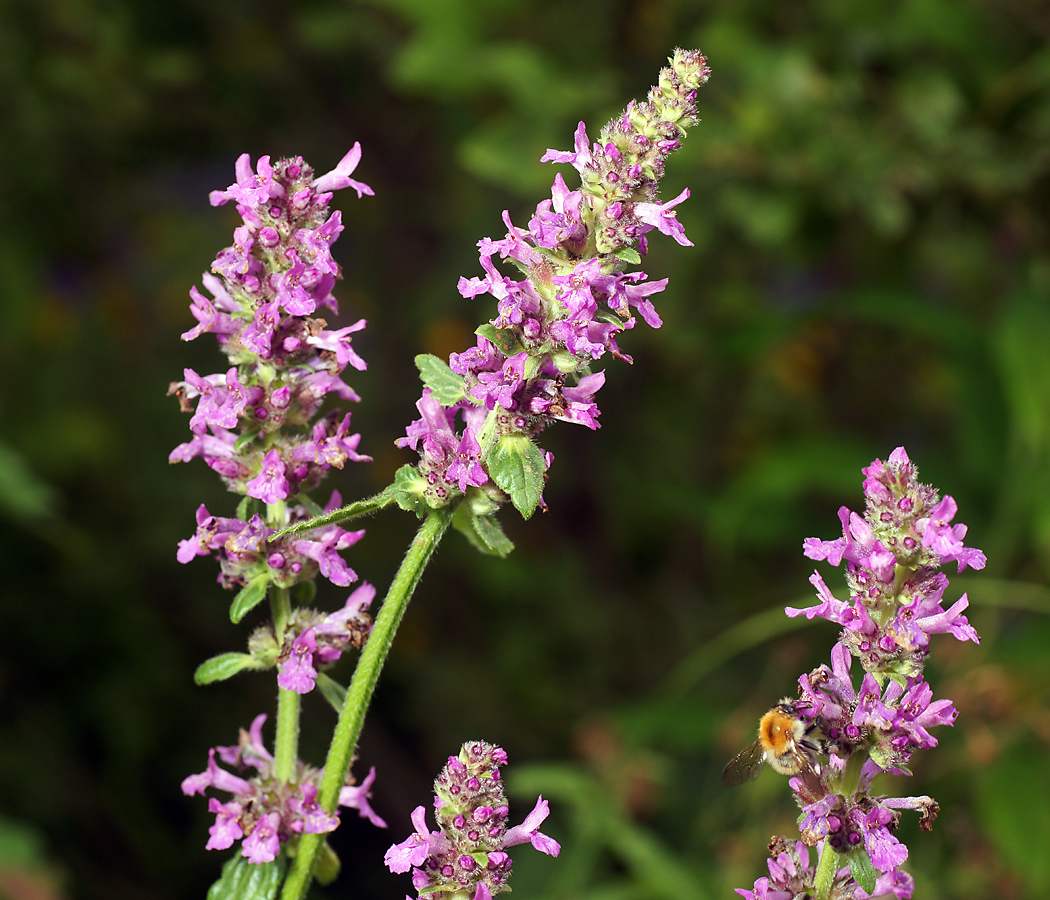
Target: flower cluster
(892, 555)
(792, 875)
(467, 856)
(532, 363)
(264, 812)
(319, 640)
(253, 424)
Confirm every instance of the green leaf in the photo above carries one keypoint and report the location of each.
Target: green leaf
(242, 880)
(409, 490)
(445, 385)
(628, 255)
(351, 511)
(243, 440)
(332, 691)
(250, 596)
(223, 666)
(328, 865)
(484, 532)
(516, 465)
(863, 872)
(504, 338)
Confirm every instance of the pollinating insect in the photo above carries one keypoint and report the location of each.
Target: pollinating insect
(785, 740)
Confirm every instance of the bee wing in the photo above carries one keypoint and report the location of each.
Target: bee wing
(744, 766)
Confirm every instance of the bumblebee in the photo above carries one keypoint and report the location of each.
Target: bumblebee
(785, 740)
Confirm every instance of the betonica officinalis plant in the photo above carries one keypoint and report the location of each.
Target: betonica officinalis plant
(566, 288)
(839, 736)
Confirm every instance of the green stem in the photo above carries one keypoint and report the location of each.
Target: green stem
(825, 875)
(286, 744)
(362, 685)
(352, 511)
(281, 610)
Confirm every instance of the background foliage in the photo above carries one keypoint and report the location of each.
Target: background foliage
(871, 268)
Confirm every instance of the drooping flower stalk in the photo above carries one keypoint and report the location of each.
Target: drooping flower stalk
(892, 555)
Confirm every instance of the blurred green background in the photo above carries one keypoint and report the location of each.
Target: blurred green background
(872, 268)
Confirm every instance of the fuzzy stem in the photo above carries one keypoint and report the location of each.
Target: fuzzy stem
(369, 665)
(286, 744)
(280, 609)
(825, 874)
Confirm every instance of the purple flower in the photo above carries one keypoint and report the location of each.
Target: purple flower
(529, 830)
(264, 843)
(270, 485)
(227, 828)
(663, 217)
(574, 300)
(895, 604)
(468, 852)
(339, 177)
(297, 671)
(263, 812)
(357, 796)
(252, 424)
(414, 850)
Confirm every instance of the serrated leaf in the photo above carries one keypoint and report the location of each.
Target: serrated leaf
(491, 533)
(242, 880)
(250, 596)
(516, 465)
(484, 532)
(445, 385)
(863, 872)
(223, 666)
(629, 255)
(332, 691)
(504, 338)
(409, 490)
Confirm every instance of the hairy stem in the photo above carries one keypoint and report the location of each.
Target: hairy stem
(369, 665)
(286, 744)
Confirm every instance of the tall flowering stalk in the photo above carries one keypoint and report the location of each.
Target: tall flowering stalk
(892, 554)
(533, 362)
(479, 415)
(258, 426)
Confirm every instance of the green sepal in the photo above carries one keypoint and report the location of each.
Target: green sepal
(445, 385)
(249, 596)
(223, 666)
(409, 490)
(516, 465)
(328, 865)
(484, 532)
(332, 691)
(243, 440)
(863, 872)
(629, 255)
(506, 339)
(242, 880)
